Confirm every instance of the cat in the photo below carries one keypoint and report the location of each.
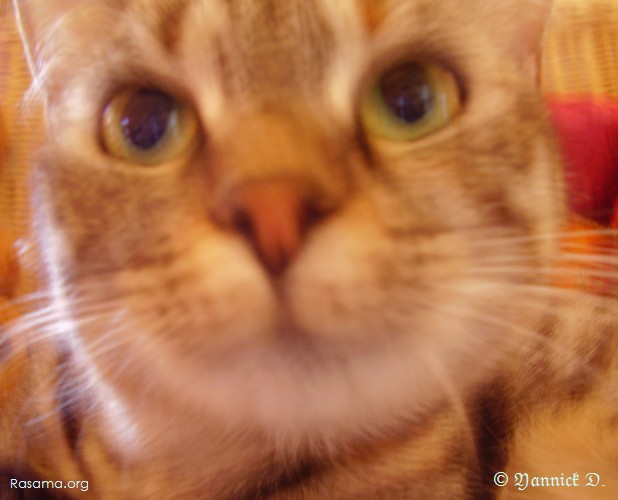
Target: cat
(300, 249)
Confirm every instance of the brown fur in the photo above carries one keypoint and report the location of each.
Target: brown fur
(415, 339)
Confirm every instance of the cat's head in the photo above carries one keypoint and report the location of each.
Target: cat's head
(306, 217)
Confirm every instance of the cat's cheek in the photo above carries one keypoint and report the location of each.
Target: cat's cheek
(221, 300)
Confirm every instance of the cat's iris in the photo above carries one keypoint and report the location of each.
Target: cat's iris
(409, 101)
(147, 126)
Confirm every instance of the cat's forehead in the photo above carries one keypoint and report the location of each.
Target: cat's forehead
(272, 28)
(271, 18)
(272, 40)
(261, 20)
(262, 46)
(265, 43)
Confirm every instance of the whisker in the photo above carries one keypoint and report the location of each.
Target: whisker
(564, 272)
(478, 312)
(558, 236)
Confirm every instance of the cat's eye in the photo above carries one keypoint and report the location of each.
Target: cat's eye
(409, 101)
(147, 126)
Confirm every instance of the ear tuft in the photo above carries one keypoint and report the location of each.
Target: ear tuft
(534, 17)
(521, 25)
(34, 19)
(531, 18)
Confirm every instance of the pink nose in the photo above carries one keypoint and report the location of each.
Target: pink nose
(274, 215)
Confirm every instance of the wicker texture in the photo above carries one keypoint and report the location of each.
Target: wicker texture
(21, 134)
(581, 49)
(580, 57)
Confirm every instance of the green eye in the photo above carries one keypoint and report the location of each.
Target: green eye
(147, 126)
(409, 101)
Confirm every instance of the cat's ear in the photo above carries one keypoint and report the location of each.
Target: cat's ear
(34, 19)
(529, 20)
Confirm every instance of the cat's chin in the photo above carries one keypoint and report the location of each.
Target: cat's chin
(297, 391)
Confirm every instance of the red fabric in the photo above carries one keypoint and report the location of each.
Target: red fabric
(588, 131)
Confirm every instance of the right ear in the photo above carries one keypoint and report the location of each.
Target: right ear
(34, 19)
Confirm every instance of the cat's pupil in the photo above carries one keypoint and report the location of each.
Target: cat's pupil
(146, 117)
(406, 91)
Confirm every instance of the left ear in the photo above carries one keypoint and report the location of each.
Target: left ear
(34, 19)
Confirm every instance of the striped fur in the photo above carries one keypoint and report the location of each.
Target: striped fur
(419, 341)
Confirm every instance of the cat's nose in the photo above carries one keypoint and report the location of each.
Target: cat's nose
(275, 215)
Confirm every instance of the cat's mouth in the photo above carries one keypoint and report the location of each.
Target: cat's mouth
(300, 345)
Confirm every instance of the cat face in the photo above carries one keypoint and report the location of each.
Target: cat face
(298, 217)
